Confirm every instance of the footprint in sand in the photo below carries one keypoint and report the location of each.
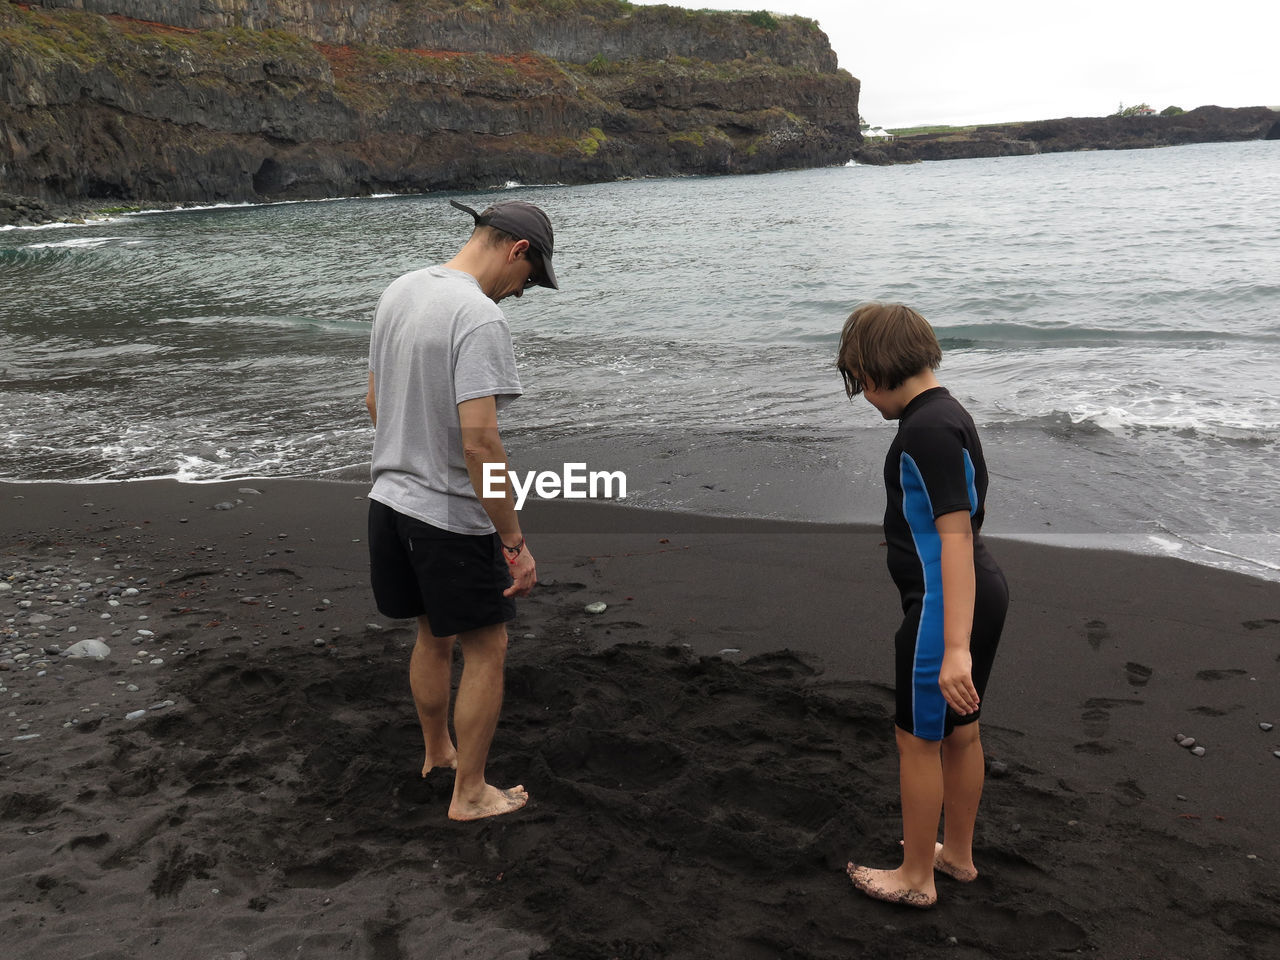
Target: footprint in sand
(1096, 723)
(1095, 632)
(1128, 794)
(1260, 624)
(1095, 720)
(1220, 674)
(1137, 674)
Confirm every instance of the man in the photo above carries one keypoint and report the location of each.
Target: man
(441, 366)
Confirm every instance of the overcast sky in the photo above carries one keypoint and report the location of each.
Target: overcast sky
(989, 61)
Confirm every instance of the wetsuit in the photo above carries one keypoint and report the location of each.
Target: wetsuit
(934, 467)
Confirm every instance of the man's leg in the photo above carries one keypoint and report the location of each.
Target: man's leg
(920, 783)
(430, 679)
(963, 772)
(475, 718)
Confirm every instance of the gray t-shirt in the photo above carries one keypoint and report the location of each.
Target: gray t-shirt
(437, 341)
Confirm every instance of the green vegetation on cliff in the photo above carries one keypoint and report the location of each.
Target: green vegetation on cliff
(106, 106)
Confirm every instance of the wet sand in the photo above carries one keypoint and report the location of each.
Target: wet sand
(703, 757)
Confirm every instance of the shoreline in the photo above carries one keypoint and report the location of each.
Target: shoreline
(702, 757)
(982, 141)
(647, 516)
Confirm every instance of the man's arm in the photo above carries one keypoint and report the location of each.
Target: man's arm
(482, 444)
(958, 592)
(371, 401)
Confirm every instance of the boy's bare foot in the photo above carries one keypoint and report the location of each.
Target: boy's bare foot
(491, 803)
(965, 874)
(885, 885)
(445, 763)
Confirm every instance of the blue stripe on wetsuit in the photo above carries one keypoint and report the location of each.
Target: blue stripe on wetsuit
(928, 707)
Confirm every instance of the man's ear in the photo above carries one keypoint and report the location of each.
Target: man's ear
(519, 248)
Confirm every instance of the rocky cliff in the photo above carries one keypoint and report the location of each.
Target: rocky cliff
(1202, 125)
(178, 100)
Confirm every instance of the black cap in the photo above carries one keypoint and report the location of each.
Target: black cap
(523, 221)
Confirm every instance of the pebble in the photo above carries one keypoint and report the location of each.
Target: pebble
(997, 769)
(27, 736)
(728, 652)
(135, 714)
(597, 607)
(1266, 727)
(95, 649)
(1197, 751)
(1187, 742)
(1276, 754)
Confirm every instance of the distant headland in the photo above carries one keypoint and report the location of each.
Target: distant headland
(1121, 131)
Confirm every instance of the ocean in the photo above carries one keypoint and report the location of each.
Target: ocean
(1111, 320)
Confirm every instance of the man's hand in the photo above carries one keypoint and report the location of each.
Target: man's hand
(524, 574)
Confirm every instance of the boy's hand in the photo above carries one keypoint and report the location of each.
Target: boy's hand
(956, 681)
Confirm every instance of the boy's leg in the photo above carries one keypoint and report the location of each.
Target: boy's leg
(430, 678)
(920, 780)
(475, 718)
(920, 783)
(963, 773)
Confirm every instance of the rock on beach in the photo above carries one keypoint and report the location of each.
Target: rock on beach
(96, 648)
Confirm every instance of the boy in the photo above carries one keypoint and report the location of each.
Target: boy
(954, 597)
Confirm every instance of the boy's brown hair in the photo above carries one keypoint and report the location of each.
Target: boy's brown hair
(885, 343)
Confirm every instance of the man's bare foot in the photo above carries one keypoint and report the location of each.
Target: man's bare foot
(886, 885)
(491, 803)
(965, 874)
(444, 763)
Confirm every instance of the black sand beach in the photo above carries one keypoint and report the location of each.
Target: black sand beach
(703, 757)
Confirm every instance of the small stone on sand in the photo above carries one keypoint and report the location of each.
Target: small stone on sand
(92, 648)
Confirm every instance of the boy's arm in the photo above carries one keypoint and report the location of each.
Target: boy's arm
(482, 444)
(958, 590)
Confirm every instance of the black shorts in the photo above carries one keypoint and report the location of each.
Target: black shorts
(455, 580)
(918, 647)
